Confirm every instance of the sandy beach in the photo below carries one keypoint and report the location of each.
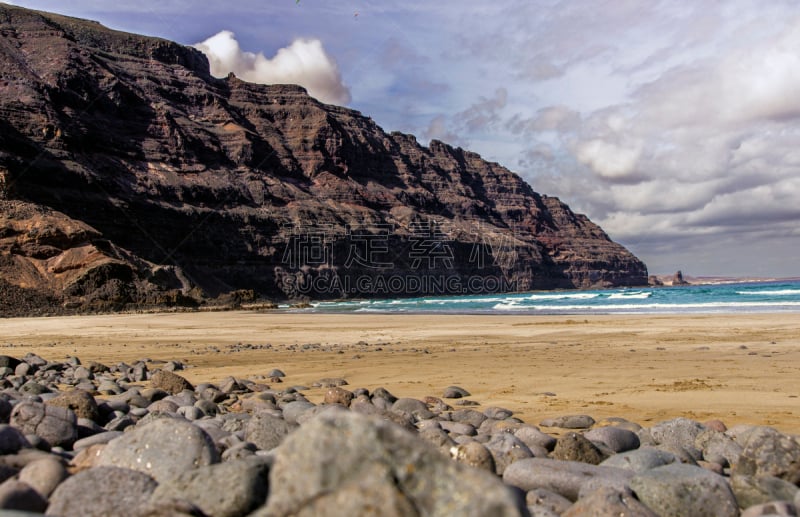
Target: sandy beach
(737, 368)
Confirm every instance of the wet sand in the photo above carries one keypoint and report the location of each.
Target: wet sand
(737, 368)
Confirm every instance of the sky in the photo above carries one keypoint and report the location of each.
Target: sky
(674, 125)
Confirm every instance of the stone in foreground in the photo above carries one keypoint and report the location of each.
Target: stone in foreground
(342, 463)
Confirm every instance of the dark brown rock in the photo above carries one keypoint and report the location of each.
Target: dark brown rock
(80, 402)
(169, 382)
(575, 447)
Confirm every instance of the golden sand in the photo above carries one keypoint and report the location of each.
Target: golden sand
(737, 368)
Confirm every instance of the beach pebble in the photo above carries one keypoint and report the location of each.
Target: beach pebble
(752, 490)
(11, 440)
(413, 407)
(359, 463)
(771, 509)
(169, 382)
(545, 500)
(506, 449)
(468, 416)
(239, 487)
(458, 428)
(768, 452)
(473, 454)
(679, 433)
(292, 410)
(44, 475)
(18, 495)
(615, 438)
(678, 490)
(266, 431)
(455, 392)
(575, 447)
(718, 447)
(100, 492)
(640, 460)
(55, 425)
(163, 406)
(329, 382)
(339, 396)
(79, 402)
(497, 413)
(609, 501)
(163, 449)
(531, 436)
(562, 477)
(569, 422)
(99, 438)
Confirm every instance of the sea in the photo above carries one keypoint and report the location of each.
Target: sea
(749, 297)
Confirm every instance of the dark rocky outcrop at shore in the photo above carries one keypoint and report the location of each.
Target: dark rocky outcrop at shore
(139, 439)
(129, 175)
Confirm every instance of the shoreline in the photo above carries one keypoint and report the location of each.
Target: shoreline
(739, 368)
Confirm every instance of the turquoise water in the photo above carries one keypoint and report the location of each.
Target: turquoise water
(722, 298)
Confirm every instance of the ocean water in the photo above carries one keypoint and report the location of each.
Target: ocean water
(754, 297)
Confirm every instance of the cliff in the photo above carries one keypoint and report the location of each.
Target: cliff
(129, 175)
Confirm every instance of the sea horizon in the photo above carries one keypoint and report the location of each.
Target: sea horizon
(717, 297)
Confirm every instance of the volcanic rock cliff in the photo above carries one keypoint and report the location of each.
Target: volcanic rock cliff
(130, 175)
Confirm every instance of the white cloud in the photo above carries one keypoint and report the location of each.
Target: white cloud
(304, 62)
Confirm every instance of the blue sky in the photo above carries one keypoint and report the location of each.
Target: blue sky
(673, 125)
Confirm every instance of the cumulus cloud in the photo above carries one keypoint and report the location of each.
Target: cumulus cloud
(485, 112)
(304, 62)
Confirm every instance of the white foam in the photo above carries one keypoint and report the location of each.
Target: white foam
(629, 296)
(777, 292)
(565, 296)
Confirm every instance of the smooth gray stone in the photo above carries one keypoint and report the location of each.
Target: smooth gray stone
(437, 438)
(455, 392)
(11, 440)
(294, 409)
(497, 413)
(609, 501)
(44, 475)
(96, 439)
(570, 422)
(562, 477)
(56, 425)
(318, 410)
(190, 412)
(162, 449)
(414, 407)
(548, 499)
(767, 452)
(358, 463)
(615, 438)
(468, 416)
(772, 509)
(678, 490)
(532, 436)
(752, 490)
(458, 428)
(719, 448)
(266, 431)
(17, 495)
(473, 454)
(506, 449)
(640, 460)
(163, 406)
(680, 433)
(100, 492)
(223, 490)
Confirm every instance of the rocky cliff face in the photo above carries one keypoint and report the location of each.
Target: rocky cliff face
(121, 156)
